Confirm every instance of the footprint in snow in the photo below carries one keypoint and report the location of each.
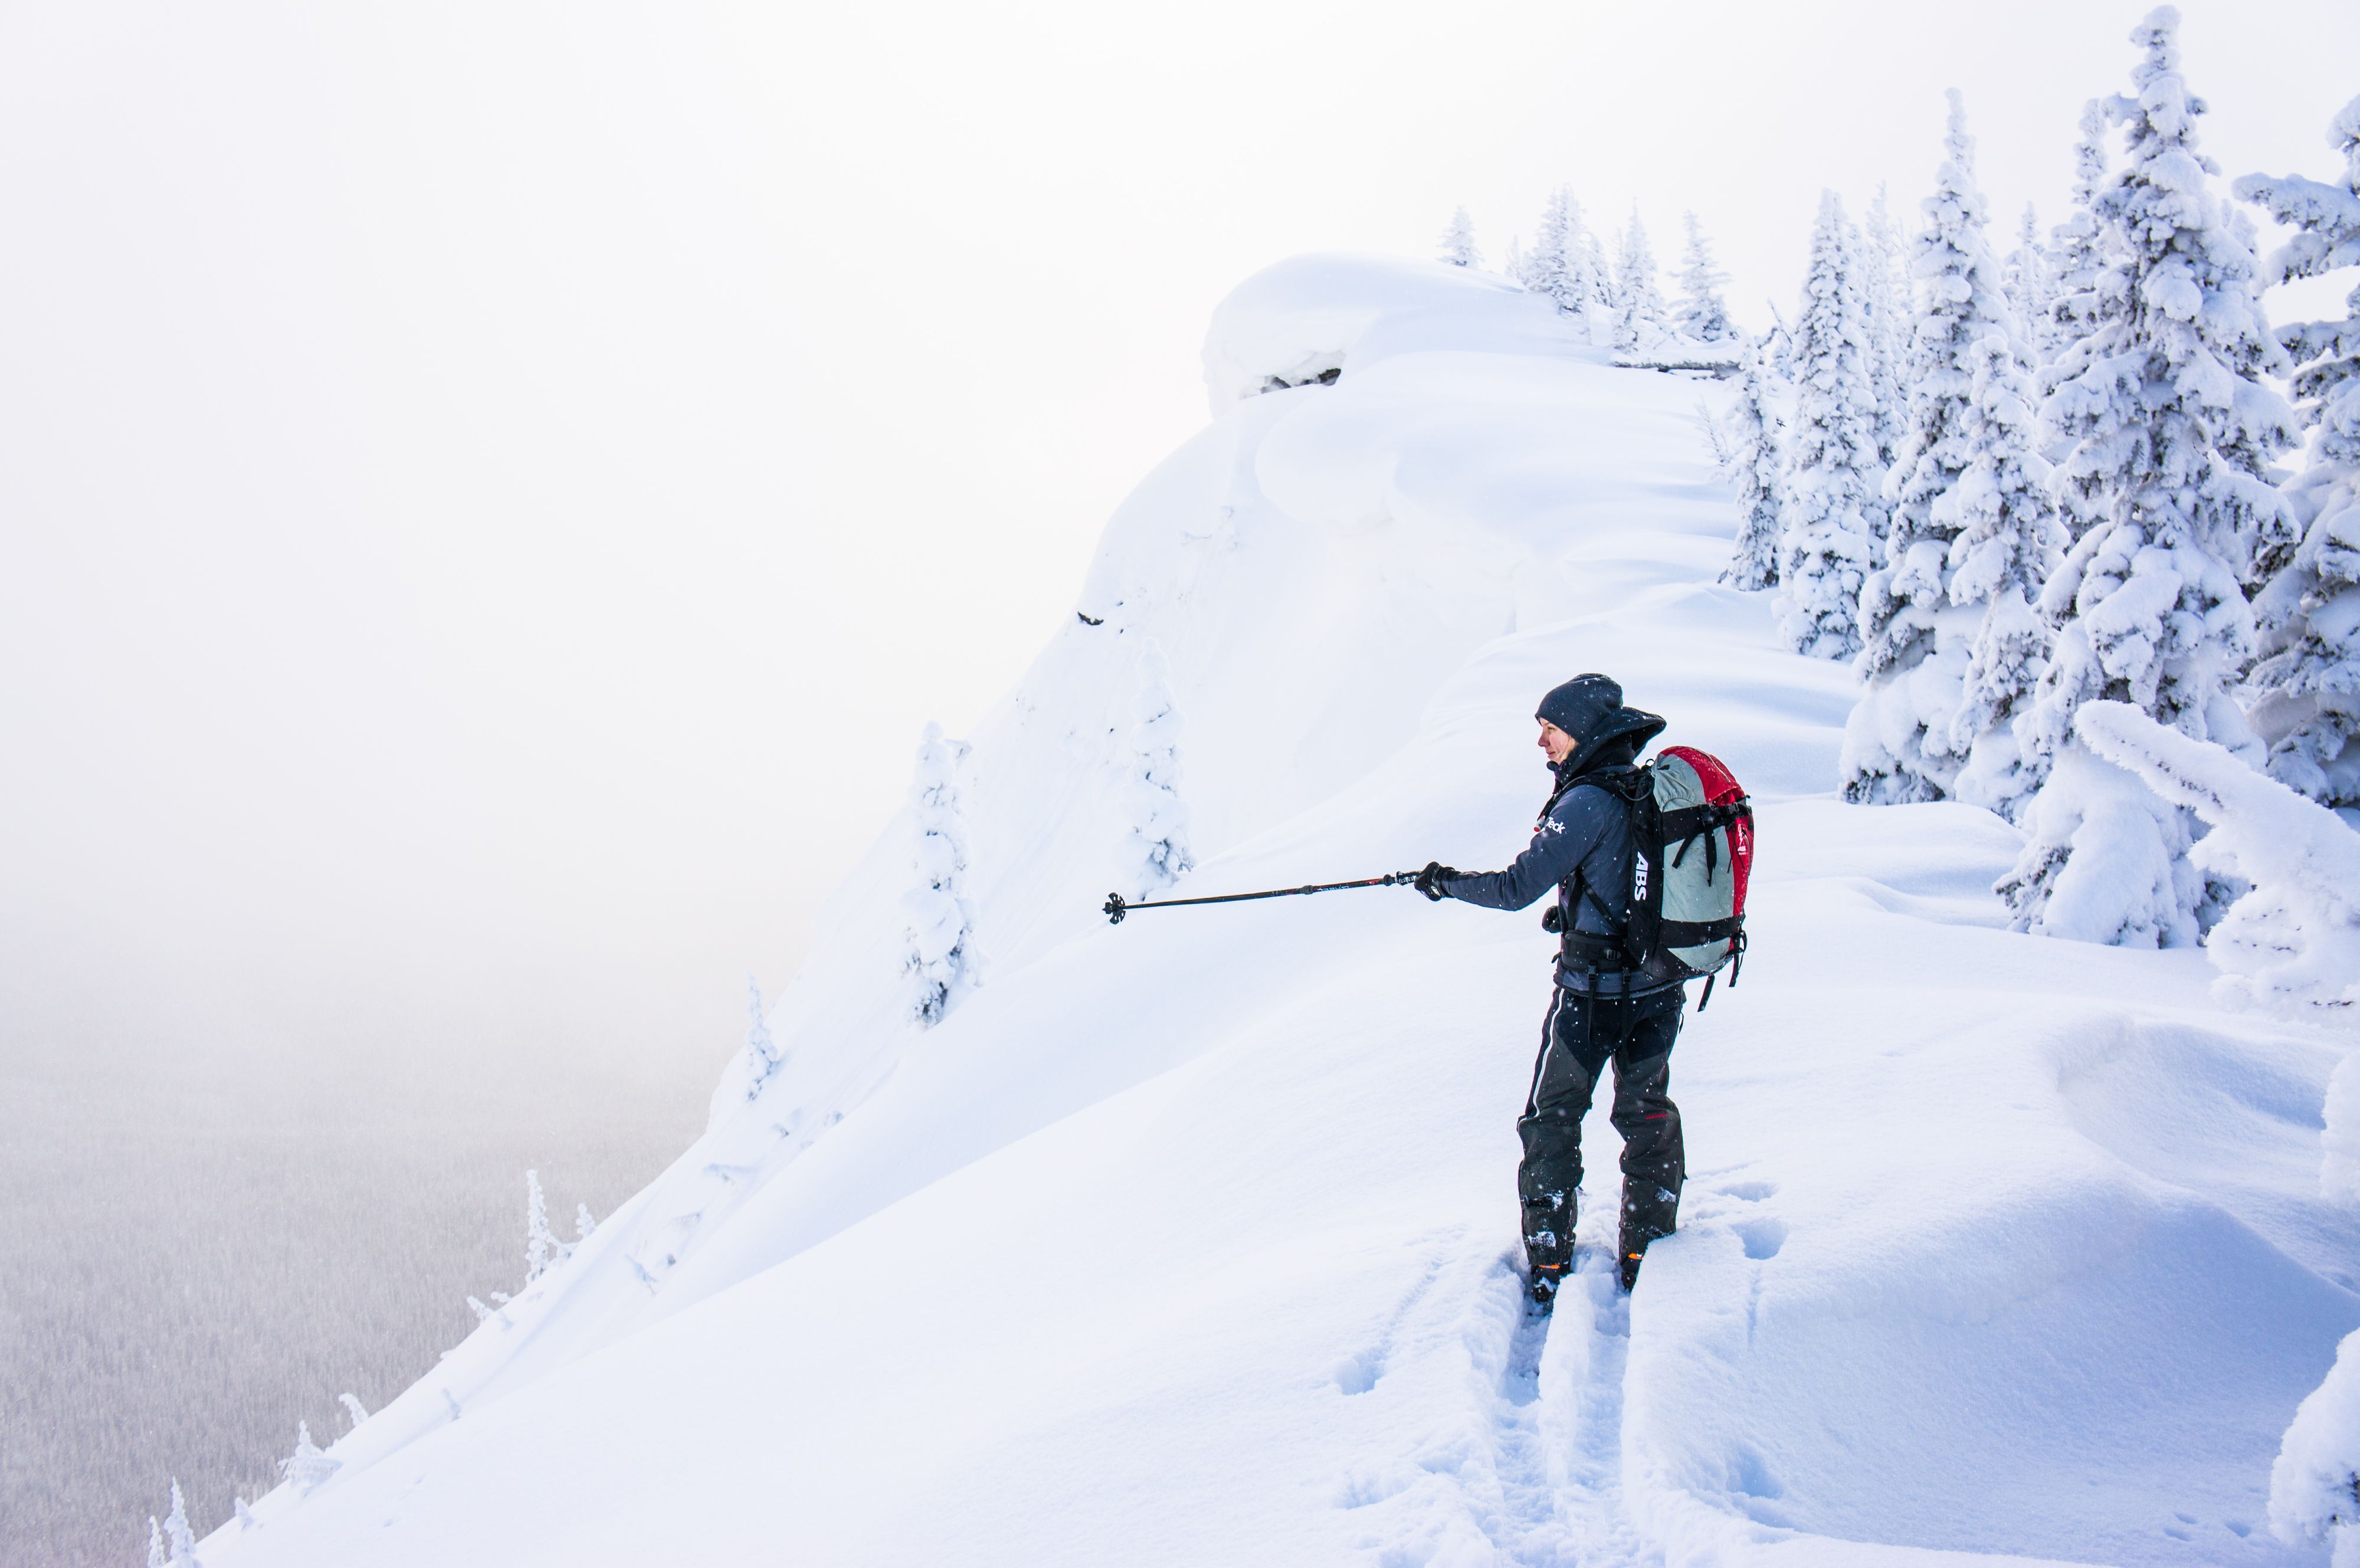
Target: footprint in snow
(1763, 1237)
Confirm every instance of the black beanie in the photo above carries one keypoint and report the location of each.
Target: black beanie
(1578, 706)
(1589, 709)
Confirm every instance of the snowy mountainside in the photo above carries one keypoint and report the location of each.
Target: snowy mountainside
(1185, 1241)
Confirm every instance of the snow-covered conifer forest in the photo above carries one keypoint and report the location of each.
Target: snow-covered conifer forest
(2013, 566)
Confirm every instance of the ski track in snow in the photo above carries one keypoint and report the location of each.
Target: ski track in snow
(1525, 1526)
(1538, 1482)
(1559, 1426)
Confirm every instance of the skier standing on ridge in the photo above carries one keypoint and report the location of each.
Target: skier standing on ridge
(1602, 1007)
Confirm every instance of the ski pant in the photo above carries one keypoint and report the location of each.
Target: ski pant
(1582, 1034)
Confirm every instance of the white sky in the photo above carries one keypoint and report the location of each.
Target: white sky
(491, 491)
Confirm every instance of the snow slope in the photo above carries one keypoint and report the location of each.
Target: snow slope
(1187, 1241)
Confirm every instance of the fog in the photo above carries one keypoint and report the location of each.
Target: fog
(489, 493)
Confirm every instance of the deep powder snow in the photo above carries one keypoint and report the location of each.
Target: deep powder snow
(1190, 1241)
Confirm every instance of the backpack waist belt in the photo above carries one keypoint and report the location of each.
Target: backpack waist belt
(1607, 955)
(1594, 954)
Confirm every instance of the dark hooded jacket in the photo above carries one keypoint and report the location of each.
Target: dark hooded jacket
(1585, 828)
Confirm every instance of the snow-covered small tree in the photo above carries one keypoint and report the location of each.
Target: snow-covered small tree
(1778, 346)
(1751, 435)
(1532, 267)
(1545, 264)
(1594, 280)
(1886, 309)
(177, 1538)
(355, 1410)
(1458, 241)
(1514, 264)
(1639, 313)
(2028, 285)
(2303, 696)
(2169, 427)
(940, 964)
(762, 1055)
(1826, 532)
(1965, 464)
(540, 1246)
(1562, 263)
(1157, 844)
(583, 1224)
(1701, 313)
(155, 1543)
(308, 1465)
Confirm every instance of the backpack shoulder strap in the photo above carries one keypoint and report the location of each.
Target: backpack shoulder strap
(1629, 786)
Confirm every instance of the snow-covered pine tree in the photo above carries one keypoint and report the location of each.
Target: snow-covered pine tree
(1701, 313)
(762, 1057)
(155, 1543)
(1595, 279)
(540, 1246)
(1545, 263)
(1560, 263)
(1965, 464)
(940, 964)
(177, 1538)
(1778, 346)
(2028, 286)
(1639, 313)
(1751, 431)
(2303, 696)
(1514, 263)
(2076, 257)
(354, 1409)
(2008, 543)
(2170, 428)
(1826, 535)
(1458, 241)
(583, 1224)
(1158, 844)
(1886, 304)
(308, 1465)
(1542, 261)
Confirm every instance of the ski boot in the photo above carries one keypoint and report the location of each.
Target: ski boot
(1649, 1213)
(1548, 1245)
(1633, 1248)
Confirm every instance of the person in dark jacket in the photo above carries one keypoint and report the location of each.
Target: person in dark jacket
(1600, 1009)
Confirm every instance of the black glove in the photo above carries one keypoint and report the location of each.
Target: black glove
(1430, 880)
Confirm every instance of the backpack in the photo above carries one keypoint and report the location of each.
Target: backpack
(1692, 842)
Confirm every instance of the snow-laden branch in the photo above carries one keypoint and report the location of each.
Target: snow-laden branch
(2292, 943)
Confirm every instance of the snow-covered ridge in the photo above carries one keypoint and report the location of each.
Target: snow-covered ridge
(1314, 315)
(1187, 1241)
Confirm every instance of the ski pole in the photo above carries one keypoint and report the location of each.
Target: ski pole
(1117, 905)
